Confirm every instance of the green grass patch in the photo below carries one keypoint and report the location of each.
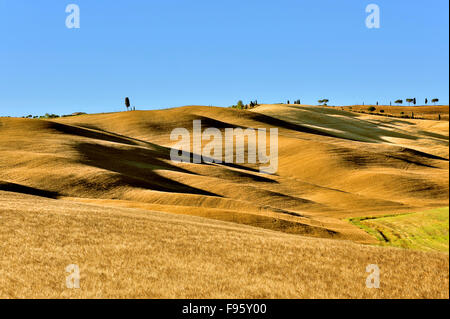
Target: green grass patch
(419, 231)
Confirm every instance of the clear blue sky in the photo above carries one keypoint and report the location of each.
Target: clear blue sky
(166, 53)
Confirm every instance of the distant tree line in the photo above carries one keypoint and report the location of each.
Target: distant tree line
(414, 101)
(410, 100)
(51, 116)
(241, 106)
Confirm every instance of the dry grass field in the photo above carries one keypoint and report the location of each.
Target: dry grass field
(100, 191)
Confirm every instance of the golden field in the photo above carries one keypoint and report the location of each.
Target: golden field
(101, 191)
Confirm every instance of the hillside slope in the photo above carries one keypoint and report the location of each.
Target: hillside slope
(104, 185)
(331, 165)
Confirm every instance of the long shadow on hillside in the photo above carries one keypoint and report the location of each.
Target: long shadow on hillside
(265, 119)
(17, 188)
(164, 153)
(415, 153)
(135, 141)
(323, 110)
(364, 159)
(436, 135)
(135, 168)
(375, 131)
(85, 132)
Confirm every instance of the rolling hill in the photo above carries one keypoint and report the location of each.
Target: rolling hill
(101, 191)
